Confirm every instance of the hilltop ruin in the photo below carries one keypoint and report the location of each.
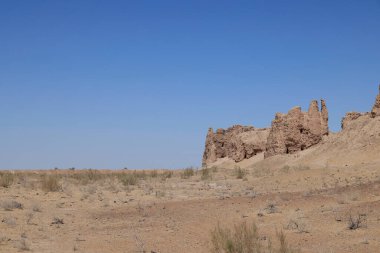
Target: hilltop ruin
(289, 133)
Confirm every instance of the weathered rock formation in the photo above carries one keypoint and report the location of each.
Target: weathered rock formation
(376, 108)
(237, 142)
(297, 130)
(350, 116)
(290, 133)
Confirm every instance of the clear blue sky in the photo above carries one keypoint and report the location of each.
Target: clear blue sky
(109, 84)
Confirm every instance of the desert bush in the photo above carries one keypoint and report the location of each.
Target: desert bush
(160, 194)
(23, 245)
(187, 173)
(245, 238)
(271, 208)
(6, 179)
(214, 169)
(9, 205)
(298, 223)
(50, 183)
(285, 169)
(301, 168)
(140, 174)
(206, 174)
(262, 172)
(9, 221)
(153, 174)
(357, 221)
(167, 174)
(57, 221)
(239, 172)
(128, 179)
(88, 176)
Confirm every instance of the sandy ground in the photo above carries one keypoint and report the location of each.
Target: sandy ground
(177, 214)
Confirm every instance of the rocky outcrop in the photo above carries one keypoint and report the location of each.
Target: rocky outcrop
(376, 108)
(350, 116)
(237, 142)
(297, 130)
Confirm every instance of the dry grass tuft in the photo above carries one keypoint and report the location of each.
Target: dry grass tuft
(357, 221)
(187, 173)
(9, 205)
(245, 238)
(6, 179)
(51, 183)
(239, 172)
(206, 174)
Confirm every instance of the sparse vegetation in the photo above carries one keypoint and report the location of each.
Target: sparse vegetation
(23, 245)
(50, 183)
(9, 205)
(301, 168)
(153, 174)
(297, 225)
(6, 179)
(57, 221)
(10, 221)
(167, 174)
(239, 172)
(285, 169)
(36, 207)
(128, 179)
(206, 174)
(245, 238)
(356, 221)
(271, 208)
(187, 173)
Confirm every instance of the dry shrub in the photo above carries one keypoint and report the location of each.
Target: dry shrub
(153, 174)
(23, 245)
(87, 176)
(10, 221)
(187, 173)
(240, 173)
(245, 238)
(298, 223)
(357, 221)
(9, 205)
(206, 174)
(271, 208)
(131, 178)
(6, 179)
(51, 183)
(167, 174)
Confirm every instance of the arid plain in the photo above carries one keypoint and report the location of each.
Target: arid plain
(325, 198)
